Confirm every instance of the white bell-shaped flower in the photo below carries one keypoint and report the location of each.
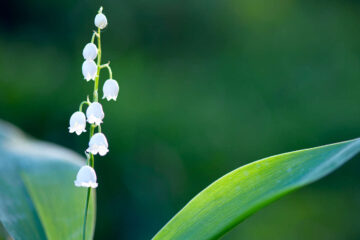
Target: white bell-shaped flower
(98, 144)
(89, 70)
(86, 177)
(100, 21)
(90, 51)
(95, 113)
(110, 89)
(77, 123)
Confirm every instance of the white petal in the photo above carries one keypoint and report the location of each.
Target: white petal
(100, 21)
(90, 51)
(77, 123)
(103, 150)
(86, 177)
(110, 89)
(89, 70)
(94, 120)
(98, 144)
(95, 113)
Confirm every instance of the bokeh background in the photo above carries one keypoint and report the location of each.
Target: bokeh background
(205, 87)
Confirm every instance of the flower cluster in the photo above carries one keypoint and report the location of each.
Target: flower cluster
(98, 144)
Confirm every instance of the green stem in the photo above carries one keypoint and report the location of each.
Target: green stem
(96, 85)
(93, 37)
(92, 128)
(91, 163)
(86, 211)
(110, 72)
(81, 105)
(108, 67)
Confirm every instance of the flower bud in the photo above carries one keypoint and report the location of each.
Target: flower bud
(86, 177)
(110, 89)
(89, 70)
(95, 113)
(98, 144)
(90, 51)
(100, 21)
(77, 123)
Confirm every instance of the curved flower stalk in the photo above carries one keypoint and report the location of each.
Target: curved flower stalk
(98, 143)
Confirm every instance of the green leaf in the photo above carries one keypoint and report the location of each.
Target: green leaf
(38, 199)
(240, 193)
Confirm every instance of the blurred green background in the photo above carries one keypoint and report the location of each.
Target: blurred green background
(205, 87)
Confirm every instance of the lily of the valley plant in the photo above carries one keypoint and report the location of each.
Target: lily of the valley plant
(98, 144)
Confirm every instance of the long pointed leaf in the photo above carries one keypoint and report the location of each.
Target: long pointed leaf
(238, 194)
(38, 199)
